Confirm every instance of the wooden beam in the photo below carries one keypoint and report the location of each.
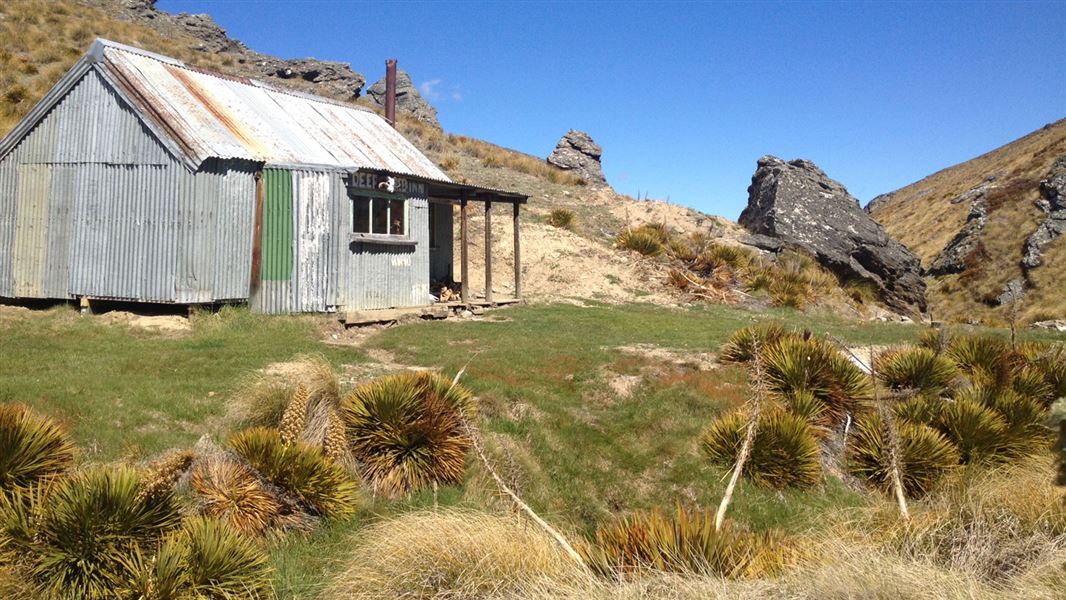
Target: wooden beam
(464, 266)
(257, 237)
(488, 251)
(517, 252)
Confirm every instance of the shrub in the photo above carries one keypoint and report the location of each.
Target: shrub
(1049, 360)
(90, 525)
(936, 339)
(794, 366)
(317, 483)
(685, 542)
(220, 563)
(229, 491)
(785, 452)
(984, 359)
(920, 410)
(977, 430)
(32, 447)
(682, 251)
(918, 369)
(640, 240)
(162, 576)
(562, 218)
(740, 347)
(407, 431)
(924, 455)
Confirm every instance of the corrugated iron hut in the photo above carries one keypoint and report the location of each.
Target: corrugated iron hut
(140, 178)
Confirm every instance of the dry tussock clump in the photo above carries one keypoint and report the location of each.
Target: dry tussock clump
(452, 554)
(261, 399)
(993, 525)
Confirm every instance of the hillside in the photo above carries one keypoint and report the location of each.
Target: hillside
(1004, 183)
(579, 261)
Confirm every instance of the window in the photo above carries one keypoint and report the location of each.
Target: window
(377, 215)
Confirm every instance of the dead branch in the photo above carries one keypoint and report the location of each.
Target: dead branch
(749, 436)
(475, 441)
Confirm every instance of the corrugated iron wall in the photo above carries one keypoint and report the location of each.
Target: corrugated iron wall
(91, 204)
(386, 276)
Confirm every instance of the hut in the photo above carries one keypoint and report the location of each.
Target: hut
(140, 178)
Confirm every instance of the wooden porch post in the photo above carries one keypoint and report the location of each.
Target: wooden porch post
(488, 251)
(464, 264)
(517, 253)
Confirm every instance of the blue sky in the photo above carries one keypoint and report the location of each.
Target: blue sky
(685, 97)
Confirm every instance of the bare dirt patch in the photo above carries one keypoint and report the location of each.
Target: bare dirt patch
(161, 323)
(702, 361)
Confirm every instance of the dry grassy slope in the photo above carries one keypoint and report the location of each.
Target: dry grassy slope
(41, 39)
(922, 217)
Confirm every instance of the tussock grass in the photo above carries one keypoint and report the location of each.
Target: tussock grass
(32, 447)
(687, 542)
(645, 240)
(301, 470)
(407, 431)
(785, 452)
(563, 218)
(450, 554)
(924, 455)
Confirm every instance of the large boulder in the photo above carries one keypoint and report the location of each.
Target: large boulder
(408, 100)
(578, 153)
(800, 205)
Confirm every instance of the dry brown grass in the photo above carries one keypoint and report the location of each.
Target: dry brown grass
(42, 39)
(986, 535)
(450, 554)
(922, 217)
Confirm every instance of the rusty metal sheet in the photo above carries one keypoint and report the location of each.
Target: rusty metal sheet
(214, 116)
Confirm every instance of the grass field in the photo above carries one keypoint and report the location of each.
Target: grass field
(576, 447)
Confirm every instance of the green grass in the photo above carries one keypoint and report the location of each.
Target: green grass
(585, 453)
(126, 392)
(575, 449)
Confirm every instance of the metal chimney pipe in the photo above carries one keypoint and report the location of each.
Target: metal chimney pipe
(390, 91)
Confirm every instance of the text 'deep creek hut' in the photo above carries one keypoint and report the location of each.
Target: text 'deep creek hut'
(139, 178)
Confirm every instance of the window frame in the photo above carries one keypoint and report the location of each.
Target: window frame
(372, 197)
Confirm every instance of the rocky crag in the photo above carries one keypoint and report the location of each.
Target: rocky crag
(796, 204)
(577, 152)
(326, 78)
(1053, 203)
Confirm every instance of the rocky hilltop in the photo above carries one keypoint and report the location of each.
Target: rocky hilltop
(796, 203)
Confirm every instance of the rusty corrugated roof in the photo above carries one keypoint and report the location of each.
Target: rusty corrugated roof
(210, 115)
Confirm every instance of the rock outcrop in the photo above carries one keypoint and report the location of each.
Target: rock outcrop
(798, 204)
(408, 100)
(578, 153)
(331, 79)
(967, 242)
(1053, 203)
